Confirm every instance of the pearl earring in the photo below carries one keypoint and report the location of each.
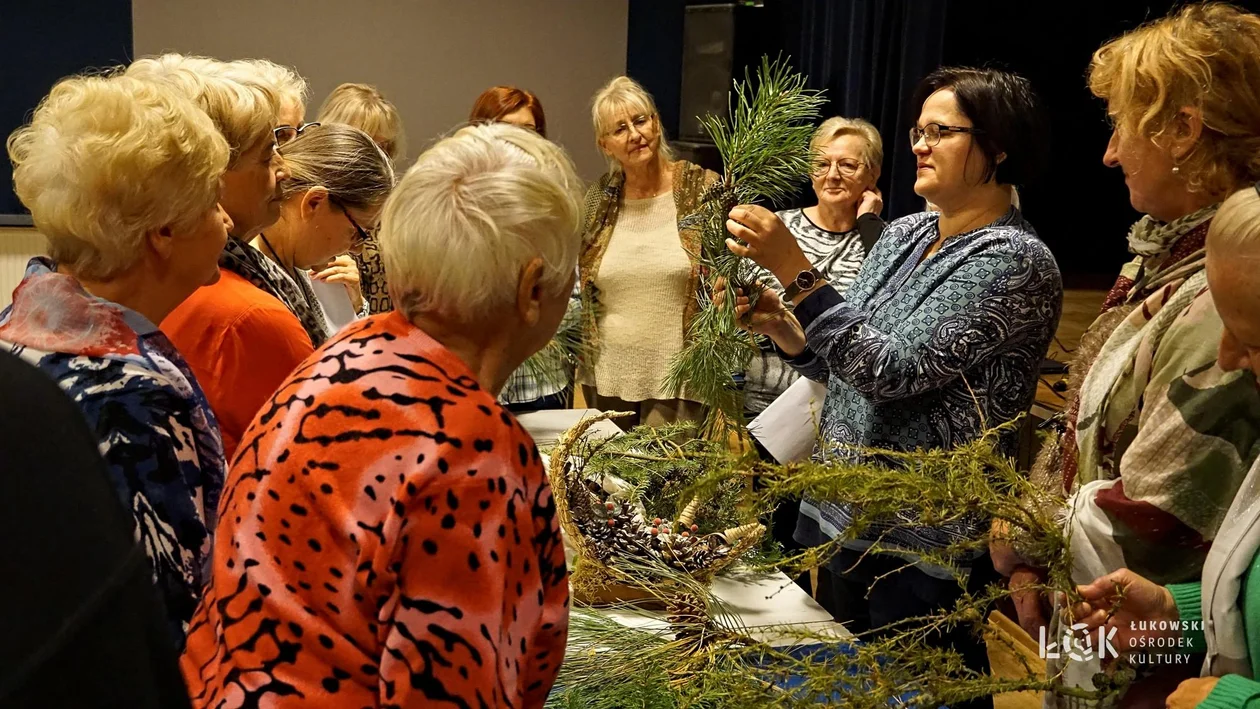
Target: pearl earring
(1176, 169)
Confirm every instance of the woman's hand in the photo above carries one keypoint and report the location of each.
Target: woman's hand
(345, 271)
(769, 243)
(1005, 558)
(1190, 693)
(769, 317)
(872, 202)
(1121, 600)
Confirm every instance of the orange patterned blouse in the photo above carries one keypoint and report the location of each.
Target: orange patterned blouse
(386, 538)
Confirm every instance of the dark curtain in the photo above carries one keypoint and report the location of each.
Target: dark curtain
(869, 55)
(654, 51)
(40, 42)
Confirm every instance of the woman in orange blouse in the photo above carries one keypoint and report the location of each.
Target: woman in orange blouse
(387, 535)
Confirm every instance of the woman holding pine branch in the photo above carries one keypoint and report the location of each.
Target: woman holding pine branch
(939, 337)
(639, 269)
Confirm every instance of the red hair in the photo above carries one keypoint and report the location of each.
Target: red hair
(499, 101)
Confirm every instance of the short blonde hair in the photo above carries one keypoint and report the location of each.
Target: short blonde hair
(625, 94)
(472, 211)
(107, 159)
(1206, 56)
(244, 112)
(343, 160)
(289, 86)
(365, 108)
(836, 126)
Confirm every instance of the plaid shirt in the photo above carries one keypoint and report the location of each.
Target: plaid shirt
(544, 375)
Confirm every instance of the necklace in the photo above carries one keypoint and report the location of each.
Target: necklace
(275, 256)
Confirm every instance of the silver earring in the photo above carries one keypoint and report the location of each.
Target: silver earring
(1176, 169)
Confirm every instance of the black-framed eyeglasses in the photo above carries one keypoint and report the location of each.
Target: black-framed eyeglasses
(931, 133)
(286, 133)
(361, 236)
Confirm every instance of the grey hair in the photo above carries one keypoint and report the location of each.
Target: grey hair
(342, 159)
(471, 212)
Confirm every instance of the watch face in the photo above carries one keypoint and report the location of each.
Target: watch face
(806, 280)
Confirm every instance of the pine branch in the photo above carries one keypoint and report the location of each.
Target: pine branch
(764, 144)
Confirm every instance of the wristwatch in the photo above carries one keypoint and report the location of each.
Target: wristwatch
(804, 282)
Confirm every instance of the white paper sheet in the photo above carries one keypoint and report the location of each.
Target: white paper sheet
(788, 427)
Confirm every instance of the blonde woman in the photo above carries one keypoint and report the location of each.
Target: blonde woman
(638, 271)
(338, 180)
(1219, 613)
(235, 320)
(290, 88)
(835, 234)
(119, 260)
(365, 108)
(454, 563)
(1145, 451)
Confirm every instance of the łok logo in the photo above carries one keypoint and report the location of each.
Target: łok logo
(1075, 645)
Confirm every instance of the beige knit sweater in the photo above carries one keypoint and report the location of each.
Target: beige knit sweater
(642, 284)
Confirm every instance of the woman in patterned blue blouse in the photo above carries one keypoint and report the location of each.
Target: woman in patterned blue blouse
(123, 177)
(940, 336)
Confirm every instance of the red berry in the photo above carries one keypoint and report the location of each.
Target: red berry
(686, 534)
(657, 521)
(694, 527)
(610, 506)
(612, 523)
(655, 531)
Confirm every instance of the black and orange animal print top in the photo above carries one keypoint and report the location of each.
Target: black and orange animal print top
(387, 538)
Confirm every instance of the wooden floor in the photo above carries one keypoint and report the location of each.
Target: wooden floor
(1080, 307)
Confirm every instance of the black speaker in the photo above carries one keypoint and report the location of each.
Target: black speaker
(719, 41)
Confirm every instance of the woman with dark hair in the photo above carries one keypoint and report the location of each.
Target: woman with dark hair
(508, 104)
(940, 336)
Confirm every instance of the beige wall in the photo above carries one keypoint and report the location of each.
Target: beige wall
(431, 57)
(17, 246)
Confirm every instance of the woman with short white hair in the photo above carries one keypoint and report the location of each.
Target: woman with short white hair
(290, 87)
(639, 269)
(119, 261)
(402, 515)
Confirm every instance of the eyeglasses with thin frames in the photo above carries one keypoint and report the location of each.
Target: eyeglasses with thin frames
(847, 167)
(361, 237)
(285, 133)
(931, 133)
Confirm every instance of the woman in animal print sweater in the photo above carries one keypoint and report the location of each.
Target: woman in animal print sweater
(387, 535)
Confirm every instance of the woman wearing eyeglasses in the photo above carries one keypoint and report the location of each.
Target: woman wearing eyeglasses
(939, 337)
(638, 270)
(835, 234)
(338, 180)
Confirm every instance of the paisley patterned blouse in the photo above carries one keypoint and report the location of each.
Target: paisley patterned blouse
(157, 434)
(927, 353)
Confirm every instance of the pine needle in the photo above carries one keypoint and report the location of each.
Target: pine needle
(764, 146)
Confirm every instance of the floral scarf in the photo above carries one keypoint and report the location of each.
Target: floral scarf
(1150, 293)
